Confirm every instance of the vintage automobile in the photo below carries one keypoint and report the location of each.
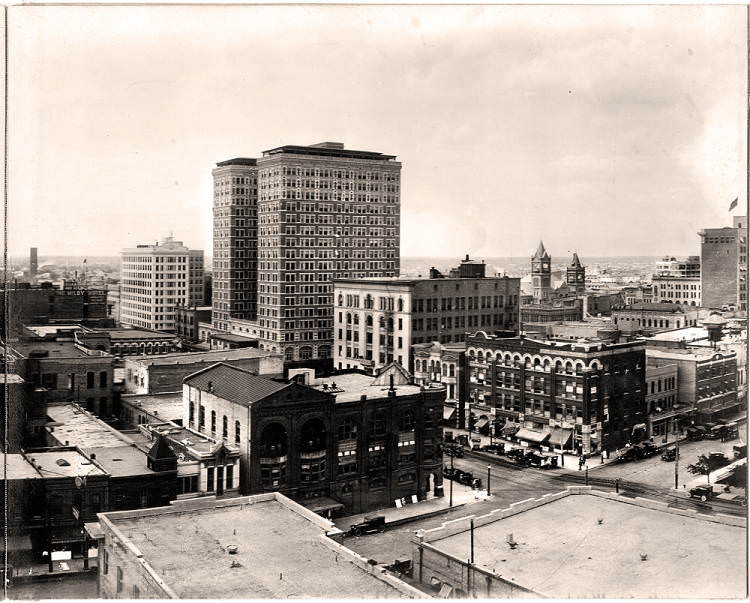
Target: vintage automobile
(449, 472)
(670, 454)
(494, 448)
(740, 451)
(695, 433)
(648, 449)
(731, 431)
(516, 454)
(704, 492)
(453, 450)
(630, 454)
(369, 525)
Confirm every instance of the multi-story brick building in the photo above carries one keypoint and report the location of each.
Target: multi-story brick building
(655, 318)
(706, 380)
(360, 440)
(311, 214)
(724, 265)
(68, 372)
(662, 409)
(157, 278)
(376, 321)
(678, 281)
(187, 319)
(583, 396)
(441, 364)
(47, 304)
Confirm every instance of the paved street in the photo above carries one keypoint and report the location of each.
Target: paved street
(655, 472)
(509, 484)
(69, 587)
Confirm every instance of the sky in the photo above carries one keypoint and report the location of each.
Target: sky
(608, 130)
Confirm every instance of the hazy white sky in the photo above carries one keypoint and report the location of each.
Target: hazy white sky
(610, 130)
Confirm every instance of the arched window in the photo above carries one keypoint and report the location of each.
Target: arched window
(368, 320)
(213, 421)
(480, 356)
(305, 353)
(324, 352)
(341, 299)
(356, 319)
(224, 427)
(289, 354)
(348, 318)
(382, 322)
(236, 432)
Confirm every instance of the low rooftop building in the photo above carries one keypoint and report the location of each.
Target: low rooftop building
(584, 543)
(259, 547)
(137, 409)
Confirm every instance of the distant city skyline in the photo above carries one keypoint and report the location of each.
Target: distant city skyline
(513, 123)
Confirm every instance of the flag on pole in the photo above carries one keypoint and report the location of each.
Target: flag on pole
(733, 204)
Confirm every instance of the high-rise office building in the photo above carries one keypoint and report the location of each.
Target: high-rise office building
(678, 281)
(235, 270)
(155, 279)
(724, 265)
(323, 212)
(33, 263)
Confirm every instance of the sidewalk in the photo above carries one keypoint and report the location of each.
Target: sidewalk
(61, 569)
(462, 495)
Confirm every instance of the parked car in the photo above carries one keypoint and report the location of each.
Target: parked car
(704, 492)
(462, 440)
(740, 451)
(516, 454)
(670, 454)
(453, 450)
(465, 477)
(369, 525)
(630, 454)
(695, 433)
(731, 431)
(494, 448)
(449, 473)
(648, 449)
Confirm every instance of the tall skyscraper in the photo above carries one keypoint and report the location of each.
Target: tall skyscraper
(724, 265)
(156, 278)
(323, 212)
(235, 268)
(33, 263)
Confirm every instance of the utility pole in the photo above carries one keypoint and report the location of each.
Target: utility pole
(472, 541)
(488, 480)
(450, 499)
(676, 464)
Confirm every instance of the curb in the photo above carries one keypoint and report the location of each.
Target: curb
(403, 520)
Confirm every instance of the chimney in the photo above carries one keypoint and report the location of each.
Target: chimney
(390, 378)
(467, 257)
(93, 456)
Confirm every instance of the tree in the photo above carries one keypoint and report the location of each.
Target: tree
(706, 464)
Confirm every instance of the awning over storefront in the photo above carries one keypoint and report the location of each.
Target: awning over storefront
(532, 435)
(448, 413)
(322, 504)
(481, 422)
(639, 426)
(510, 429)
(560, 437)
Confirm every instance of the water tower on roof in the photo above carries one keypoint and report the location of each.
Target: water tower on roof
(714, 324)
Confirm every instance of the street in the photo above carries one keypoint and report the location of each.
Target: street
(655, 472)
(65, 587)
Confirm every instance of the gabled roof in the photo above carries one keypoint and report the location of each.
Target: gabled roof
(400, 375)
(234, 384)
(541, 252)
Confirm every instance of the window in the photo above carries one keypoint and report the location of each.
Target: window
(202, 416)
(136, 592)
(210, 479)
(236, 432)
(103, 379)
(119, 579)
(213, 421)
(289, 354)
(105, 561)
(230, 476)
(379, 424)
(89, 380)
(224, 427)
(347, 429)
(406, 421)
(191, 416)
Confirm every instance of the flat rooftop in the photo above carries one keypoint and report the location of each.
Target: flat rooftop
(43, 330)
(82, 429)
(686, 334)
(281, 553)
(691, 353)
(168, 406)
(356, 385)
(133, 334)
(193, 357)
(183, 437)
(63, 463)
(121, 461)
(55, 349)
(18, 468)
(564, 552)
(233, 337)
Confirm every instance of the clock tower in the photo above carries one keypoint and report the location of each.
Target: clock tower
(576, 276)
(541, 274)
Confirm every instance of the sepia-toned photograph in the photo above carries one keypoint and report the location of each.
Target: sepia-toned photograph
(368, 301)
